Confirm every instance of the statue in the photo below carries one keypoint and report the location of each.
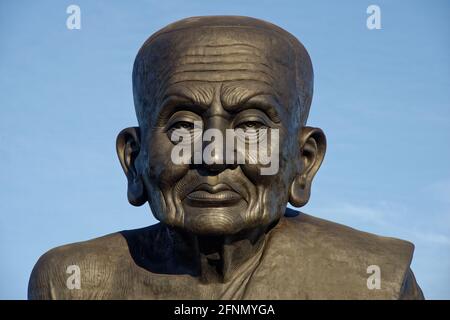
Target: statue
(225, 231)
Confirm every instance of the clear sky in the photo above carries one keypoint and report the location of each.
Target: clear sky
(381, 96)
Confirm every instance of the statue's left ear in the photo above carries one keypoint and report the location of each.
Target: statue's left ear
(313, 145)
(128, 146)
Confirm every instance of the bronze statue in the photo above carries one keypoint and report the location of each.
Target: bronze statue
(225, 231)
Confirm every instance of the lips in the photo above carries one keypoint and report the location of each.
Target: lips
(220, 194)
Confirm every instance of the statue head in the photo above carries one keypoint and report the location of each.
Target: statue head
(204, 78)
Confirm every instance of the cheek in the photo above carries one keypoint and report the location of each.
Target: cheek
(273, 190)
(161, 169)
(283, 159)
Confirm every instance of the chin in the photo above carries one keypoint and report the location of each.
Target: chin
(214, 220)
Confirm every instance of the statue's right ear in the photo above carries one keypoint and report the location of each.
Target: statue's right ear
(128, 146)
(313, 145)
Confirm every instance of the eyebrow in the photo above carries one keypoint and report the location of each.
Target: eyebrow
(266, 103)
(237, 98)
(178, 102)
(233, 98)
(198, 95)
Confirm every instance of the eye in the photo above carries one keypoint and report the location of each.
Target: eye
(182, 125)
(255, 125)
(177, 129)
(252, 119)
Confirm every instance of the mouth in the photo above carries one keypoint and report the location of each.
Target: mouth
(217, 195)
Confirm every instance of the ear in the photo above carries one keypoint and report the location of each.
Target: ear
(312, 151)
(128, 147)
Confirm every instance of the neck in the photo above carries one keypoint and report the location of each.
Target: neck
(217, 258)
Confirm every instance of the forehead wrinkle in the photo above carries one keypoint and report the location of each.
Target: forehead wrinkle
(222, 49)
(226, 54)
(218, 71)
(272, 30)
(218, 74)
(222, 63)
(168, 77)
(213, 81)
(224, 66)
(194, 63)
(219, 66)
(229, 54)
(223, 59)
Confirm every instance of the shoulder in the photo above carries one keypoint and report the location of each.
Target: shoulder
(94, 262)
(336, 261)
(324, 233)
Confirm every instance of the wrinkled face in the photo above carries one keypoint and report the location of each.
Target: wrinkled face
(221, 80)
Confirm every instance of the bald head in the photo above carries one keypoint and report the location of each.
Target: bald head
(244, 56)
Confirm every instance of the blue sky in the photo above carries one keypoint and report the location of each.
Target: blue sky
(381, 96)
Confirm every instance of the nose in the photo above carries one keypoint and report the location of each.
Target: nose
(214, 151)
